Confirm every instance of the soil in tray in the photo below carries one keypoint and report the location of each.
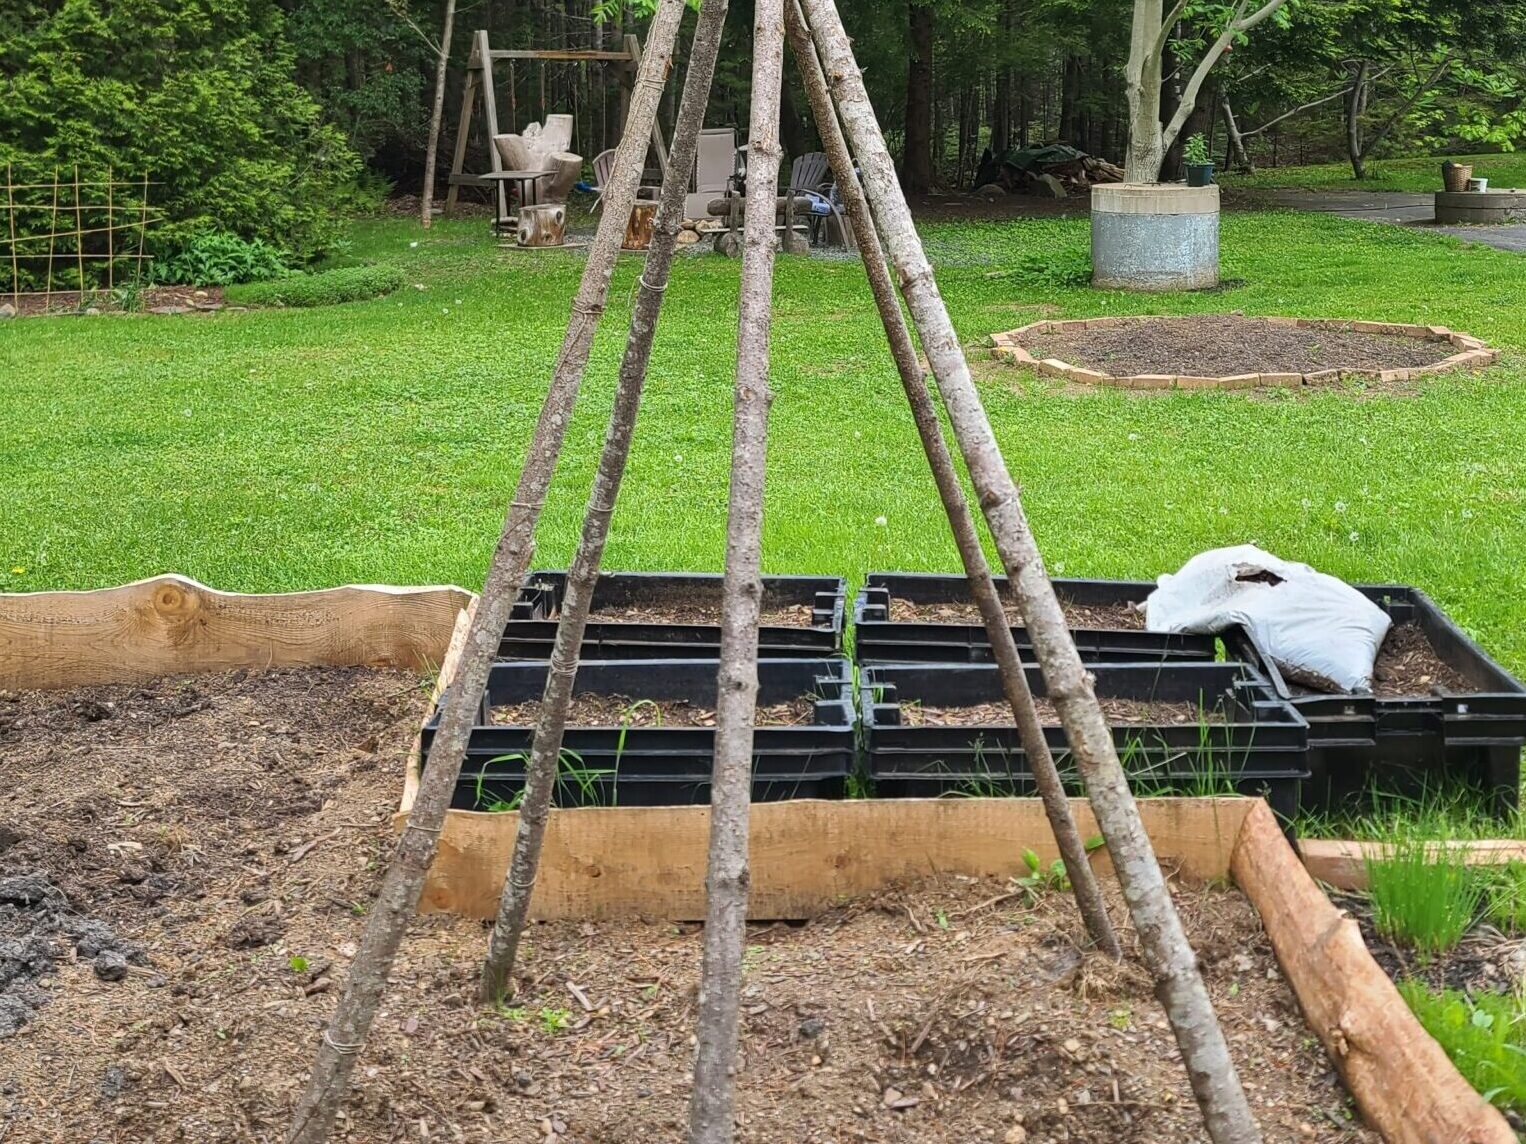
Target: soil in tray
(230, 833)
(1126, 616)
(622, 711)
(1407, 664)
(1116, 711)
(697, 604)
(1222, 345)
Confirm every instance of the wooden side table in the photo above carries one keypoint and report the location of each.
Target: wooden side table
(527, 183)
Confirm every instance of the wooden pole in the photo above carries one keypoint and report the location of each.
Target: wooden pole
(142, 231)
(726, 880)
(583, 574)
(47, 298)
(925, 413)
(111, 236)
(79, 237)
(436, 115)
(10, 210)
(404, 882)
(1226, 1112)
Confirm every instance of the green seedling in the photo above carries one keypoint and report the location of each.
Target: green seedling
(554, 1020)
(297, 963)
(1423, 895)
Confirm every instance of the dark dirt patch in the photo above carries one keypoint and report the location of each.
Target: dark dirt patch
(1118, 711)
(189, 298)
(1407, 664)
(1485, 959)
(1108, 616)
(870, 1023)
(589, 710)
(698, 604)
(1222, 345)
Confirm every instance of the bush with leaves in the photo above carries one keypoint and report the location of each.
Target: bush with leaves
(325, 288)
(217, 258)
(200, 97)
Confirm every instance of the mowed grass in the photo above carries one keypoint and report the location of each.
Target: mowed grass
(379, 441)
(1408, 174)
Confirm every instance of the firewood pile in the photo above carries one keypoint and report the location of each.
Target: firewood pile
(1055, 171)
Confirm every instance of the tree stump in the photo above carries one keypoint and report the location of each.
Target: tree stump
(638, 231)
(544, 225)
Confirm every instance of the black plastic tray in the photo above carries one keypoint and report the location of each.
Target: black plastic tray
(879, 639)
(1261, 749)
(661, 766)
(1407, 745)
(531, 630)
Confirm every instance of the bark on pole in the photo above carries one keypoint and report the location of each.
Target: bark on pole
(726, 881)
(436, 115)
(404, 881)
(1168, 955)
(976, 568)
(583, 575)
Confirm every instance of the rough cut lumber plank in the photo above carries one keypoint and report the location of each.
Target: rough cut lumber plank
(1401, 1079)
(806, 855)
(172, 625)
(1342, 863)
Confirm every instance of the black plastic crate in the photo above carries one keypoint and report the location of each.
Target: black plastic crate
(1259, 749)
(531, 630)
(879, 639)
(661, 766)
(1408, 745)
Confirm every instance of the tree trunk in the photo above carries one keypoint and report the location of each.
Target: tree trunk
(583, 575)
(726, 881)
(1141, 74)
(1356, 107)
(1171, 961)
(542, 225)
(917, 166)
(404, 881)
(437, 114)
(1236, 151)
(976, 568)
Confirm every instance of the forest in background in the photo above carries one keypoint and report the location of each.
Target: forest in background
(274, 118)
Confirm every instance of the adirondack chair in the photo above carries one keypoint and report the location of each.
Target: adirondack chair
(810, 178)
(603, 164)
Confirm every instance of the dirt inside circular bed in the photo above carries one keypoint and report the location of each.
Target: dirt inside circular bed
(1223, 345)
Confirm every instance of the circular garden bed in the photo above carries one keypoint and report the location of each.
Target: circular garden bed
(1231, 351)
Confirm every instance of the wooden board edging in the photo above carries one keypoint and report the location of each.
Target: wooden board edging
(806, 856)
(1342, 863)
(1401, 1079)
(173, 625)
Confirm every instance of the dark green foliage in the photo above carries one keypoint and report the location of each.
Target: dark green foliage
(201, 96)
(325, 288)
(1485, 1035)
(217, 258)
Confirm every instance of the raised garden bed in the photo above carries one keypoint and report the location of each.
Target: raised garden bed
(1441, 708)
(917, 618)
(643, 734)
(1230, 351)
(663, 615)
(1205, 728)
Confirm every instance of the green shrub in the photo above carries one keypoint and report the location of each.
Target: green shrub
(326, 288)
(1485, 1037)
(1423, 895)
(217, 258)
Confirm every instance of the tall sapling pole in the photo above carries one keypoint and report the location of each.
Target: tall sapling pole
(436, 114)
(1004, 647)
(1215, 1083)
(726, 880)
(583, 574)
(404, 881)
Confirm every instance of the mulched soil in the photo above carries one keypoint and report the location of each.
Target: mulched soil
(589, 710)
(1116, 711)
(1110, 616)
(1485, 959)
(1407, 664)
(194, 298)
(697, 604)
(1221, 345)
(231, 831)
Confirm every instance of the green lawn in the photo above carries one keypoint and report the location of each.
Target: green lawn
(1422, 174)
(378, 441)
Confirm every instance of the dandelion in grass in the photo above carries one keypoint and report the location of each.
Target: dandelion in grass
(1340, 506)
(1354, 537)
(881, 521)
(1133, 436)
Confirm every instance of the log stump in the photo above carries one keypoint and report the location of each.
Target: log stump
(543, 225)
(638, 230)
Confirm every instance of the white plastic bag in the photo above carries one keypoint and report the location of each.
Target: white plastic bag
(1318, 630)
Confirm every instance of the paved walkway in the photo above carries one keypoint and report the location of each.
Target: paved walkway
(1402, 208)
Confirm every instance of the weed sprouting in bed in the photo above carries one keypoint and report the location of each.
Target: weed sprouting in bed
(1483, 1034)
(1423, 895)
(581, 781)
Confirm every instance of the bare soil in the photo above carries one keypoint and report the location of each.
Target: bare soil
(230, 830)
(1485, 959)
(1407, 664)
(589, 710)
(1116, 711)
(698, 604)
(1222, 345)
(1109, 616)
(182, 298)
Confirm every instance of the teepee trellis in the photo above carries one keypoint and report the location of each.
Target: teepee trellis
(826, 62)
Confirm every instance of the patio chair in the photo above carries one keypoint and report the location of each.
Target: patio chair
(603, 164)
(810, 179)
(713, 167)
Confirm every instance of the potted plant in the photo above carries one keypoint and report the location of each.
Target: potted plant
(1199, 165)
